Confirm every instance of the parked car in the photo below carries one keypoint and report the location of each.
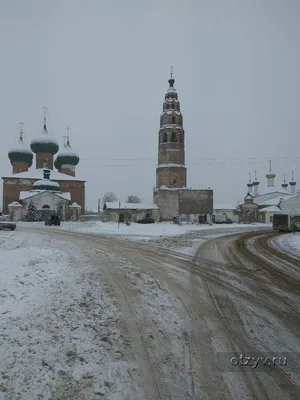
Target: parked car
(146, 220)
(5, 223)
(53, 220)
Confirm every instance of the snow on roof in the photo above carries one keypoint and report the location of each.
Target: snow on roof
(274, 209)
(170, 165)
(14, 204)
(171, 99)
(224, 207)
(274, 201)
(169, 112)
(46, 182)
(172, 126)
(271, 190)
(38, 174)
(27, 194)
(171, 89)
(131, 206)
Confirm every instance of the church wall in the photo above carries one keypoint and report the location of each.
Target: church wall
(171, 177)
(20, 166)
(12, 188)
(42, 157)
(195, 202)
(167, 201)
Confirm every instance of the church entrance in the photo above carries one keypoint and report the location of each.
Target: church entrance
(45, 213)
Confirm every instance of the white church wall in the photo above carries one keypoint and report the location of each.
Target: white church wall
(46, 199)
(291, 205)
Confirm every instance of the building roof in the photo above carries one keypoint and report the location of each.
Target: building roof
(270, 190)
(275, 200)
(171, 165)
(130, 206)
(274, 209)
(224, 207)
(27, 194)
(38, 174)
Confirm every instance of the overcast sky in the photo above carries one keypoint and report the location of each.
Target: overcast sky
(102, 68)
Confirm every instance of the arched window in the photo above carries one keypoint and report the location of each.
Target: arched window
(165, 137)
(180, 138)
(173, 120)
(46, 206)
(174, 137)
(167, 106)
(174, 180)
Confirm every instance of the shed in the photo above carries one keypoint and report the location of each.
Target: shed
(133, 211)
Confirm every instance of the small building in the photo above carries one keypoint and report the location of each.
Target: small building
(46, 198)
(265, 215)
(228, 209)
(115, 211)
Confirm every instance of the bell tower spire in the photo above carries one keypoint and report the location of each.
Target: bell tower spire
(171, 170)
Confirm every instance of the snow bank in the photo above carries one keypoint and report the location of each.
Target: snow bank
(58, 333)
(288, 243)
(146, 230)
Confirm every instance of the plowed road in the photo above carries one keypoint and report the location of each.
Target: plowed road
(238, 297)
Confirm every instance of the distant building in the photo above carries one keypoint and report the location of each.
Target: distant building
(22, 183)
(171, 193)
(113, 211)
(261, 205)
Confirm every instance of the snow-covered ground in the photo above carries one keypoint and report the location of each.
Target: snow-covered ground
(185, 238)
(288, 243)
(58, 332)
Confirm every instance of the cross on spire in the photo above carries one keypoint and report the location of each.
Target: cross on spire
(255, 175)
(171, 72)
(67, 129)
(21, 131)
(270, 163)
(45, 108)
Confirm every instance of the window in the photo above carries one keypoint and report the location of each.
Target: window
(167, 106)
(173, 120)
(271, 218)
(165, 137)
(174, 137)
(174, 180)
(180, 138)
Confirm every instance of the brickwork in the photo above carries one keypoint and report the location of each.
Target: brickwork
(19, 166)
(168, 204)
(41, 158)
(171, 177)
(68, 170)
(13, 186)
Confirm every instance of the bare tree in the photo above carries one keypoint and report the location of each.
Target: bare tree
(109, 197)
(133, 199)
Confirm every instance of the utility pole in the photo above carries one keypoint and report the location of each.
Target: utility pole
(98, 206)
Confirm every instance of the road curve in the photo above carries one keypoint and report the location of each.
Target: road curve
(235, 297)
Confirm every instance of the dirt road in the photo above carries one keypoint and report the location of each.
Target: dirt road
(186, 317)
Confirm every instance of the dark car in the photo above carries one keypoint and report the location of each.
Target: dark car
(146, 220)
(53, 220)
(5, 223)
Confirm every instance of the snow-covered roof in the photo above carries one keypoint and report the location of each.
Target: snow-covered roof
(171, 99)
(274, 201)
(38, 174)
(169, 112)
(131, 206)
(46, 182)
(172, 126)
(271, 190)
(14, 204)
(27, 194)
(274, 209)
(170, 165)
(224, 207)
(171, 89)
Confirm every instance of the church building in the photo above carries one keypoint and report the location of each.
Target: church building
(171, 193)
(34, 183)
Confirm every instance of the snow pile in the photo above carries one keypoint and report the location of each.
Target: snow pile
(288, 243)
(58, 333)
(149, 230)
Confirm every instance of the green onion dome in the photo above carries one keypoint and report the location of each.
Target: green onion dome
(44, 143)
(66, 157)
(20, 153)
(46, 183)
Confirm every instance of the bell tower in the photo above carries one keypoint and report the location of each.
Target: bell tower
(171, 170)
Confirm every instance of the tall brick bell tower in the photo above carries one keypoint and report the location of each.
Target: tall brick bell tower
(171, 171)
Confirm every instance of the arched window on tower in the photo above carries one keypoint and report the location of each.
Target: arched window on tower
(180, 138)
(174, 137)
(173, 120)
(165, 137)
(167, 106)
